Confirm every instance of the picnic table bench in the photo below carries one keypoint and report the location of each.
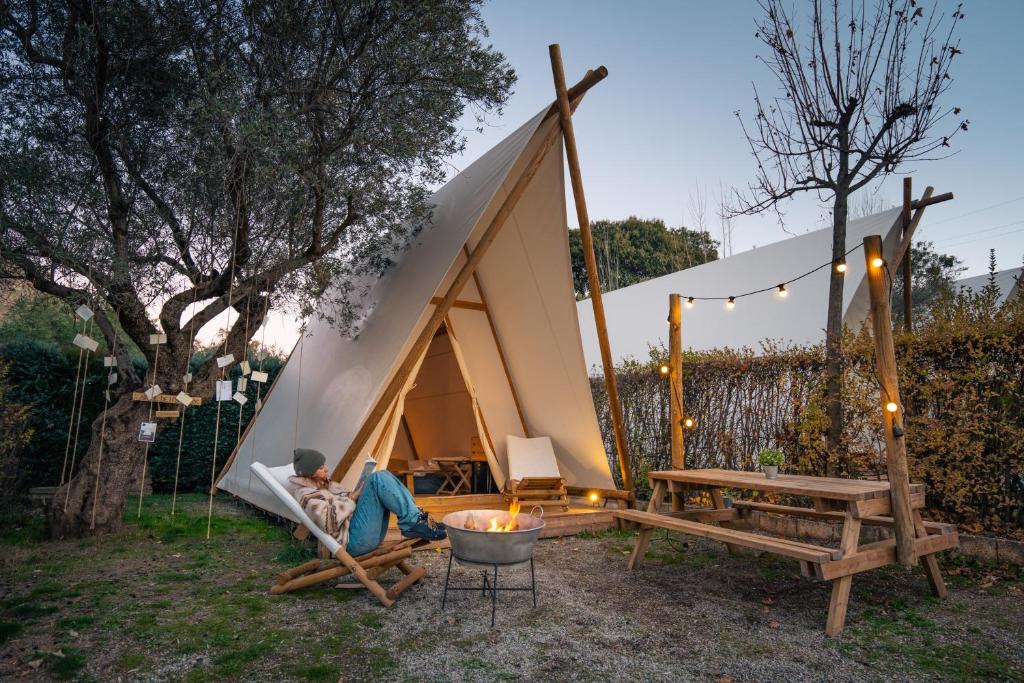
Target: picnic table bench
(854, 502)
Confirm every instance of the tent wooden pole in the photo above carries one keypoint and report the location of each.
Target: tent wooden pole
(675, 387)
(908, 294)
(903, 250)
(885, 360)
(463, 276)
(565, 118)
(497, 344)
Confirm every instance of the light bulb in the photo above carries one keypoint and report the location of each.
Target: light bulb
(891, 406)
(783, 292)
(688, 422)
(664, 369)
(840, 266)
(731, 303)
(689, 302)
(877, 262)
(593, 498)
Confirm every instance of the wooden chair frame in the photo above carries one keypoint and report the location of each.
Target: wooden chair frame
(366, 568)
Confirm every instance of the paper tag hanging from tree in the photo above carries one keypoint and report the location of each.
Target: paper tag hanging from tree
(187, 377)
(243, 384)
(184, 399)
(110, 361)
(153, 392)
(83, 312)
(224, 361)
(223, 390)
(240, 398)
(84, 342)
(158, 339)
(112, 379)
(258, 376)
(259, 404)
(246, 368)
(147, 432)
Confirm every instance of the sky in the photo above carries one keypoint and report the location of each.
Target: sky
(660, 130)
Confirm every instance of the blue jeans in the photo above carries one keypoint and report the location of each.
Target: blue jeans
(382, 494)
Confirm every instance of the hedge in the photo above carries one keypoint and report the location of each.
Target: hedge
(43, 378)
(962, 386)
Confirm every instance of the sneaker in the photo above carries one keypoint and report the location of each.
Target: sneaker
(426, 528)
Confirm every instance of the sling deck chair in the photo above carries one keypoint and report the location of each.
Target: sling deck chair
(366, 568)
(533, 475)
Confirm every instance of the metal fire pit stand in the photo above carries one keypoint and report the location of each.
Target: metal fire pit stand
(489, 583)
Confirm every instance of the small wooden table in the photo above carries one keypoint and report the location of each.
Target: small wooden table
(853, 502)
(457, 471)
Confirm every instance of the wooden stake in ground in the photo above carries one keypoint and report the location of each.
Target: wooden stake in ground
(675, 387)
(892, 408)
(565, 119)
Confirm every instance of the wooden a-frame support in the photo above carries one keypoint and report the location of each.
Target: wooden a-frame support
(465, 273)
(587, 240)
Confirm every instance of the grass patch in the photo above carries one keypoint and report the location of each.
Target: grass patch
(75, 623)
(321, 671)
(64, 665)
(234, 662)
(132, 662)
(607, 533)
(900, 632)
(20, 527)
(295, 553)
(9, 630)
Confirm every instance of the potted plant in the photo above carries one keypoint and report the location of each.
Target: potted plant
(770, 459)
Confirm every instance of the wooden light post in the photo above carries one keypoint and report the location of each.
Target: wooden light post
(892, 408)
(675, 387)
(565, 119)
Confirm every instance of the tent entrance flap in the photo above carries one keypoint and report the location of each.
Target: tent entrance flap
(439, 417)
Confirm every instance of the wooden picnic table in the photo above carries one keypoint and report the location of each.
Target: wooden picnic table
(854, 502)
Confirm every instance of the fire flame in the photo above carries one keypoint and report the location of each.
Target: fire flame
(513, 511)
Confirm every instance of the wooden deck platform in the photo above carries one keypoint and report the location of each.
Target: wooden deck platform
(579, 517)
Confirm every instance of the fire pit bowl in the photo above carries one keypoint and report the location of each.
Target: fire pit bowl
(480, 546)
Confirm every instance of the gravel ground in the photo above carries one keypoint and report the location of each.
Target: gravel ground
(149, 605)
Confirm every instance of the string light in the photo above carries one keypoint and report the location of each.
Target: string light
(877, 262)
(892, 406)
(593, 498)
(664, 369)
(688, 423)
(781, 289)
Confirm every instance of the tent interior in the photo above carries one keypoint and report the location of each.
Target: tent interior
(438, 421)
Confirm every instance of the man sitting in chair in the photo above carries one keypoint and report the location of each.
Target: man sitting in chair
(358, 520)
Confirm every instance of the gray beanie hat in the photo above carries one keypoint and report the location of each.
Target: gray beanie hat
(308, 461)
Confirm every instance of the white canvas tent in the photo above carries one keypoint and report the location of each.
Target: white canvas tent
(637, 314)
(527, 292)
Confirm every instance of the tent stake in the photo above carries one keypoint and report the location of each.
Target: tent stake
(441, 310)
(565, 119)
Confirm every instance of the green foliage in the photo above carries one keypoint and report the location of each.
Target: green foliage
(636, 249)
(932, 282)
(14, 432)
(45, 319)
(42, 379)
(771, 457)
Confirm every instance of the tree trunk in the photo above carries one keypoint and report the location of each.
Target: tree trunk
(71, 514)
(833, 340)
